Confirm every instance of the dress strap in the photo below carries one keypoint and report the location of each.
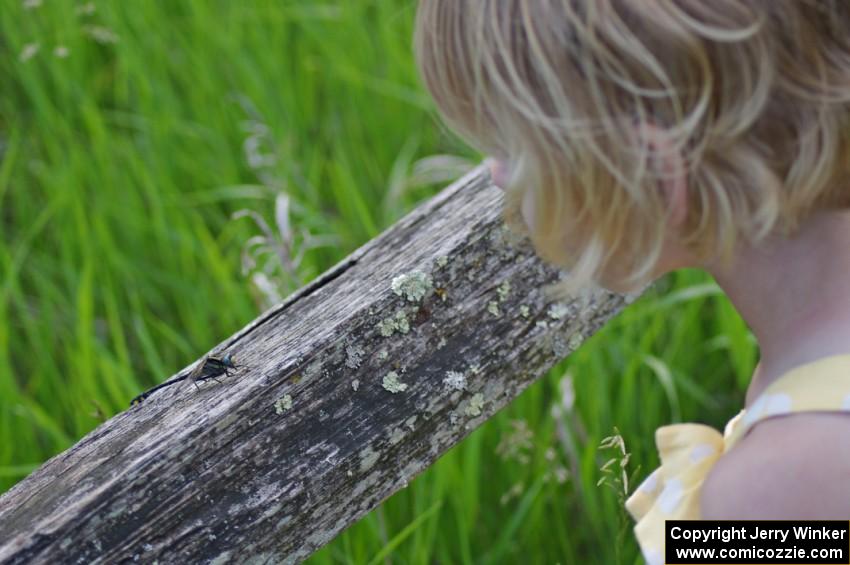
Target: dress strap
(818, 386)
(689, 451)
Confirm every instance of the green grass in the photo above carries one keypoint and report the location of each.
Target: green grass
(120, 167)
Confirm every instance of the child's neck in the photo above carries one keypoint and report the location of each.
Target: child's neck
(795, 295)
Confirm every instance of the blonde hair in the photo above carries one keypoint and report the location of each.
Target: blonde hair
(753, 93)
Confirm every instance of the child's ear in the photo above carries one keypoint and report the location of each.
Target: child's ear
(669, 168)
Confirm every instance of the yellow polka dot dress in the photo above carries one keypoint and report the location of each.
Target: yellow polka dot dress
(689, 451)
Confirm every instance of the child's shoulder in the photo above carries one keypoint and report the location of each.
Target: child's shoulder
(789, 467)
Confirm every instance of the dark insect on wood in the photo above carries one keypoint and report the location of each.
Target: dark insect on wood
(422, 315)
(210, 367)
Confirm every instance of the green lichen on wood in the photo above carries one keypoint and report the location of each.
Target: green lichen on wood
(283, 404)
(493, 308)
(353, 355)
(413, 286)
(393, 384)
(395, 323)
(476, 403)
(503, 290)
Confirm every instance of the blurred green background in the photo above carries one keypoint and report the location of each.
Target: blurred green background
(130, 135)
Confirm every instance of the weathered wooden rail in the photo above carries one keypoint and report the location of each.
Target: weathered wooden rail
(355, 384)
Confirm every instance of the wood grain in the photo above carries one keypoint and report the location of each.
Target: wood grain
(349, 391)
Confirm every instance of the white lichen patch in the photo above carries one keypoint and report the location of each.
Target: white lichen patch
(542, 324)
(226, 421)
(410, 422)
(396, 436)
(476, 403)
(353, 355)
(503, 290)
(368, 457)
(560, 347)
(475, 369)
(393, 384)
(442, 343)
(524, 311)
(413, 286)
(221, 559)
(313, 370)
(283, 404)
(396, 323)
(383, 354)
(363, 484)
(493, 308)
(558, 311)
(259, 558)
(442, 261)
(455, 380)
(575, 341)
(355, 384)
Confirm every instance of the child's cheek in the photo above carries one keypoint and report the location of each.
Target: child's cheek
(612, 279)
(498, 172)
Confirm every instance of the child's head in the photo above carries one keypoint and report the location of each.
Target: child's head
(596, 105)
